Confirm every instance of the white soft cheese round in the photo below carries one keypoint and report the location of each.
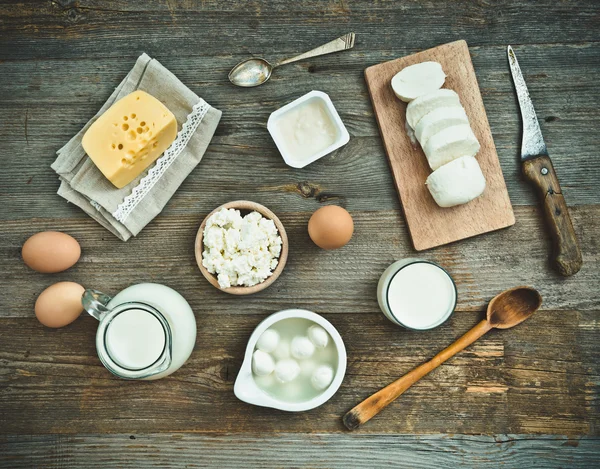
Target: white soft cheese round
(457, 182)
(262, 363)
(268, 341)
(302, 347)
(322, 377)
(287, 370)
(423, 105)
(438, 120)
(416, 80)
(449, 144)
(318, 336)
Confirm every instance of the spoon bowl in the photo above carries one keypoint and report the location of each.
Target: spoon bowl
(512, 307)
(251, 72)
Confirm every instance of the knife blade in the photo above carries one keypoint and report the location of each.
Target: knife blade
(533, 143)
(538, 169)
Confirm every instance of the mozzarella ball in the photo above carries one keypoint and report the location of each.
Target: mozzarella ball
(287, 370)
(318, 336)
(262, 363)
(282, 351)
(268, 341)
(322, 377)
(302, 347)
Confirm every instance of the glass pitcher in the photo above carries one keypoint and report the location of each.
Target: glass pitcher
(147, 331)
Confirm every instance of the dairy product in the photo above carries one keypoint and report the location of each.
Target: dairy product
(449, 144)
(306, 129)
(262, 363)
(295, 377)
(423, 105)
(129, 137)
(416, 80)
(416, 294)
(437, 120)
(135, 339)
(302, 347)
(318, 336)
(322, 377)
(287, 370)
(457, 182)
(268, 341)
(240, 251)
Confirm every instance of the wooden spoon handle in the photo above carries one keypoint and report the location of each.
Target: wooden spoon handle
(374, 404)
(567, 255)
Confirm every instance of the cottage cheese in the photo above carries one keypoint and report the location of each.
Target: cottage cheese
(241, 251)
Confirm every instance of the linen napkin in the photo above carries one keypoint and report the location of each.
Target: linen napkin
(125, 212)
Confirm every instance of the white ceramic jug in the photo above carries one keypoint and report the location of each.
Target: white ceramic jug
(147, 331)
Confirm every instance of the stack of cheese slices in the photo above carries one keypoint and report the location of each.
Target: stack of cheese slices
(441, 126)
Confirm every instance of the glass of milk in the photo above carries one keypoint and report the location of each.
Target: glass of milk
(416, 294)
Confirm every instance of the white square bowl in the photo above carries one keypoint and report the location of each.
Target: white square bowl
(342, 136)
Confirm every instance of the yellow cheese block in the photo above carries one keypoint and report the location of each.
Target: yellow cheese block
(129, 137)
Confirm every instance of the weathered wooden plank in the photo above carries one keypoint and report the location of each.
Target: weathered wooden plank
(76, 29)
(540, 377)
(335, 282)
(298, 451)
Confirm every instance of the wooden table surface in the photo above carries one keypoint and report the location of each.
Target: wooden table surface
(519, 398)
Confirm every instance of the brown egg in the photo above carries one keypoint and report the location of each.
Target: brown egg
(330, 227)
(59, 304)
(51, 251)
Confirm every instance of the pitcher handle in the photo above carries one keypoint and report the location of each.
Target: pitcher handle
(94, 302)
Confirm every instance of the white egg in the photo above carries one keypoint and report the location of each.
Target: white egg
(282, 351)
(268, 341)
(287, 370)
(318, 336)
(302, 347)
(322, 377)
(262, 363)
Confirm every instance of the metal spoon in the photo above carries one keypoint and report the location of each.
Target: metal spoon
(506, 310)
(256, 71)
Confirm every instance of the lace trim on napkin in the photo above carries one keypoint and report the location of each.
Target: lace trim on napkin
(163, 163)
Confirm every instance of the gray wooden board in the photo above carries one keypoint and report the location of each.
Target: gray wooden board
(60, 60)
(316, 451)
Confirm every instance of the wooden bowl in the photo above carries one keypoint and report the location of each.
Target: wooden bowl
(244, 206)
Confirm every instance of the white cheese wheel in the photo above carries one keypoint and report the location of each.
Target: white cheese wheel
(457, 182)
(416, 80)
(437, 120)
(423, 105)
(449, 144)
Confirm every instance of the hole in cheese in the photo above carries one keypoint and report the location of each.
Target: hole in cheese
(142, 123)
(139, 130)
(131, 135)
(133, 116)
(120, 146)
(125, 126)
(125, 118)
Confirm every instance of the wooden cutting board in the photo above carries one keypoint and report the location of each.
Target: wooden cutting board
(429, 224)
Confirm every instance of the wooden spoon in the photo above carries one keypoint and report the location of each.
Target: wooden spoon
(506, 310)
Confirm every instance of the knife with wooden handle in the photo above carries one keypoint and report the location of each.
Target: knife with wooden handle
(538, 169)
